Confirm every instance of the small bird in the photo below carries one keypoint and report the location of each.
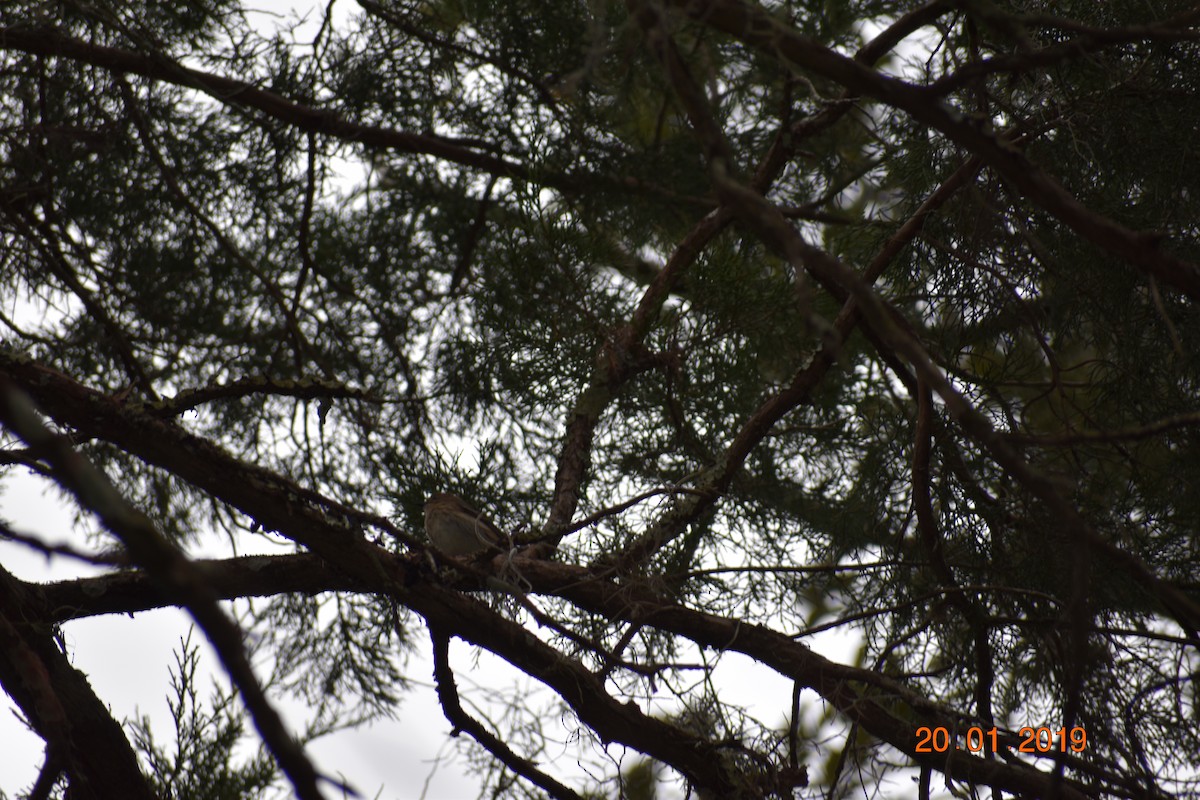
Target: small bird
(457, 528)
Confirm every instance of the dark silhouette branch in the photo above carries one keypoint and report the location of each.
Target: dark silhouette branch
(755, 27)
(81, 736)
(447, 692)
(174, 575)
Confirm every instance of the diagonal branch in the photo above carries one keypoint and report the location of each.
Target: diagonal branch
(757, 28)
(890, 333)
(860, 694)
(848, 689)
(175, 575)
(41, 235)
(447, 691)
(81, 736)
(1088, 41)
(612, 368)
(267, 498)
(228, 91)
(759, 425)
(241, 94)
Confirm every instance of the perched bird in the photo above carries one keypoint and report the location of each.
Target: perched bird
(457, 528)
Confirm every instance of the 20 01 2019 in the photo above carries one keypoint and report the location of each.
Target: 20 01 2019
(1032, 740)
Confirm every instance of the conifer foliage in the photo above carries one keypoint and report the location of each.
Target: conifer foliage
(859, 339)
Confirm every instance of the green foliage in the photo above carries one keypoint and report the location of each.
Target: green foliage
(204, 762)
(160, 236)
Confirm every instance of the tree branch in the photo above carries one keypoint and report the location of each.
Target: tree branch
(170, 569)
(757, 28)
(81, 736)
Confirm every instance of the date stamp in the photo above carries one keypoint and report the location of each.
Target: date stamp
(1028, 740)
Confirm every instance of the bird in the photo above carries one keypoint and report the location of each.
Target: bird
(457, 528)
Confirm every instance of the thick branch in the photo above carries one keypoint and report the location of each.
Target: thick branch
(611, 364)
(81, 736)
(757, 28)
(172, 572)
(48, 42)
(350, 554)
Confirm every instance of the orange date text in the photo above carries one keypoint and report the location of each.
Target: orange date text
(1028, 740)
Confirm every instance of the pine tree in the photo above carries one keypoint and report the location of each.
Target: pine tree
(746, 322)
